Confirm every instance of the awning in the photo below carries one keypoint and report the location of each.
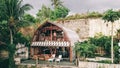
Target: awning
(51, 43)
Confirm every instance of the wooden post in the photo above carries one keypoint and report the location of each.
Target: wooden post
(31, 51)
(51, 32)
(70, 53)
(36, 61)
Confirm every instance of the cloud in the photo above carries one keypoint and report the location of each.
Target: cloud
(78, 6)
(37, 4)
(91, 5)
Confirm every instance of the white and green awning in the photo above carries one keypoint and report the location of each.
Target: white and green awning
(51, 43)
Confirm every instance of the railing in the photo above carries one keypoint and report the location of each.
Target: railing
(51, 43)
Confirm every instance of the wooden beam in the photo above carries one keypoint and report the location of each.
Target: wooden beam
(51, 32)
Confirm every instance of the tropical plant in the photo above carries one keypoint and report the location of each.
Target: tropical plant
(56, 3)
(44, 13)
(111, 16)
(94, 15)
(117, 54)
(4, 61)
(84, 16)
(4, 32)
(85, 49)
(11, 49)
(60, 12)
(12, 11)
(29, 18)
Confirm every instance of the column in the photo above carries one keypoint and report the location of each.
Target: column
(70, 51)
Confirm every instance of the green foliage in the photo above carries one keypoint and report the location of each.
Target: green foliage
(103, 41)
(19, 38)
(94, 15)
(29, 18)
(116, 54)
(4, 32)
(85, 49)
(12, 12)
(46, 13)
(56, 3)
(84, 16)
(60, 12)
(13, 8)
(11, 49)
(4, 61)
(100, 41)
(8, 62)
(111, 16)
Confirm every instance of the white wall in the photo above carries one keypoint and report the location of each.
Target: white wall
(98, 25)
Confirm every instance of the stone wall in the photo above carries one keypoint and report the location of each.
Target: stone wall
(89, 27)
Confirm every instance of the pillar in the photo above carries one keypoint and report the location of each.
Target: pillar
(70, 51)
(31, 51)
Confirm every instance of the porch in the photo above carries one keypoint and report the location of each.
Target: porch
(43, 50)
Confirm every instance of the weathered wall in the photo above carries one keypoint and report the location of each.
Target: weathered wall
(80, 26)
(98, 25)
(89, 27)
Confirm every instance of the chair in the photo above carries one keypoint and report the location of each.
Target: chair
(59, 58)
(52, 58)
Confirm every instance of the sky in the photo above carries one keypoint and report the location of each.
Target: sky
(77, 6)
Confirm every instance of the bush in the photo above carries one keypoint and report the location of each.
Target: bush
(85, 49)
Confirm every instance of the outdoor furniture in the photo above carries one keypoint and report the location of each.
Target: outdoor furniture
(34, 57)
(52, 58)
(17, 60)
(59, 58)
(46, 57)
(41, 57)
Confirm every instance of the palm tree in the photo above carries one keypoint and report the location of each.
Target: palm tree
(12, 11)
(111, 16)
(44, 13)
(56, 3)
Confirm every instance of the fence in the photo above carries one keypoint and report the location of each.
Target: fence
(97, 65)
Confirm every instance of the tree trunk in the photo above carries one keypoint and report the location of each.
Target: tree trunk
(77, 59)
(11, 36)
(112, 55)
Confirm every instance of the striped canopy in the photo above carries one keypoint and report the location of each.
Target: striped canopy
(51, 43)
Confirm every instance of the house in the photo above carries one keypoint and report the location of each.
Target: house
(52, 38)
